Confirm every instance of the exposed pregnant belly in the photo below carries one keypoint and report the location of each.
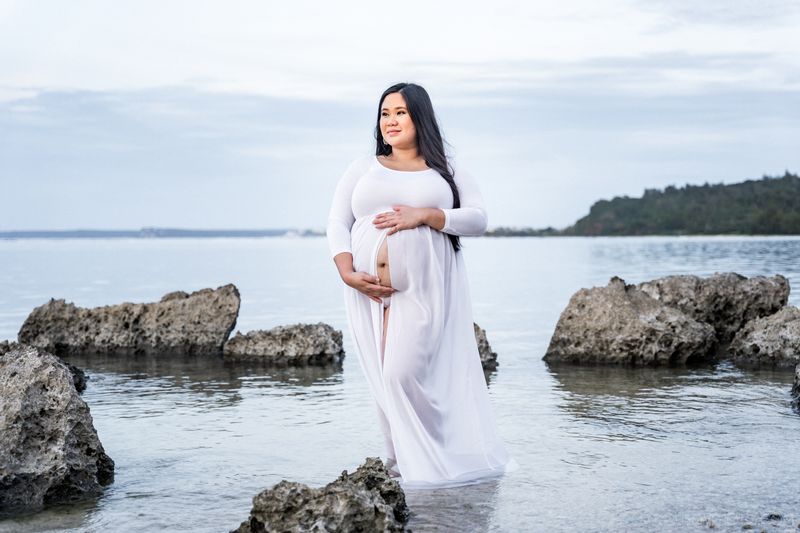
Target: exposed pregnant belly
(384, 271)
(398, 259)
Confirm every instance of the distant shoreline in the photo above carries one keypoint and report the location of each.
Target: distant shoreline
(156, 233)
(766, 207)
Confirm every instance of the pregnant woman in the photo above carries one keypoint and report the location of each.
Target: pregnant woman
(393, 233)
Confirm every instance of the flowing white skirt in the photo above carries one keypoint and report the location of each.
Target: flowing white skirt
(430, 391)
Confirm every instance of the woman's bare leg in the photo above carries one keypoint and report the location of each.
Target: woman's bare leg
(385, 324)
(385, 280)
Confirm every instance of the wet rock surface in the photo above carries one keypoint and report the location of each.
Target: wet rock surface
(49, 449)
(769, 342)
(294, 345)
(620, 324)
(366, 500)
(180, 324)
(725, 300)
(796, 388)
(488, 357)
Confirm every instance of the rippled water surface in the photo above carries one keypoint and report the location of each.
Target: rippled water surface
(600, 449)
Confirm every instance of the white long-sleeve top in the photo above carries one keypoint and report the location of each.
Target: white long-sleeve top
(367, 187)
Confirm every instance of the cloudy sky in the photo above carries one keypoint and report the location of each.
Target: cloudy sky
(239, 114)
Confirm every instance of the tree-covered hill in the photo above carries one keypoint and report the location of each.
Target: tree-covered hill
(770, 205)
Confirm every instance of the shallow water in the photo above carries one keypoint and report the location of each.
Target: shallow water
(599, 449)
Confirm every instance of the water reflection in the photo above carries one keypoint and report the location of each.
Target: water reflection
(466, 509)
(204, 377)
(601, 380)
(621, 381)
(619, 404)
(53, 518)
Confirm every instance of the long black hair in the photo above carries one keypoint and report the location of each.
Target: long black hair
(429, 139)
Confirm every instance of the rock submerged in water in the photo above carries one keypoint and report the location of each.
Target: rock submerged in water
(769, 342)
(366, 500)
(295, 345)
(796, 388)
(180, 324)
(621, 324)
(49, 449)
(601, 325)
(724, 300)
(488, 357)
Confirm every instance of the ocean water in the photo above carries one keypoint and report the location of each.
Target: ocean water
(599, 449)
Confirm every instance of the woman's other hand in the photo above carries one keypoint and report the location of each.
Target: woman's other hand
(369, 285)
(400, 217)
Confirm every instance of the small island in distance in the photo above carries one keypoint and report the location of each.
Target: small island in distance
(769, 206)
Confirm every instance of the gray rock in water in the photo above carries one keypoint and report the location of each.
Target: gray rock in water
(488, 357)
(366, 500)
(796, 388)
(725, 300)
(180, 324)
(49, 449)
(78, 375)
(619, 324)
(772, 341)
(295, 345)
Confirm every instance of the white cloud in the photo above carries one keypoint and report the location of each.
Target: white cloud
(352, 50)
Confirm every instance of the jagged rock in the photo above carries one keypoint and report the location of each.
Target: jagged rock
(78, 375)
(488, 357)
(295, 345)
(49, 449)
(366, 500)
(796, 388)
(174, 295)
(725, 300)
(621, 324)
(195, 324)
(771, 341)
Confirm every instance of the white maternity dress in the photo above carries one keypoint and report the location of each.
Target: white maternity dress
(430, 392)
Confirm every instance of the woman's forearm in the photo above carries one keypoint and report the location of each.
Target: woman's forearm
(433, 217)
(344, 263)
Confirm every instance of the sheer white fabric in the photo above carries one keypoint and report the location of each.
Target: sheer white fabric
(430, 392)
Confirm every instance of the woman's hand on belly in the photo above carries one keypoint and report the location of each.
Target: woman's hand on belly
(368, 285)
(406, 217)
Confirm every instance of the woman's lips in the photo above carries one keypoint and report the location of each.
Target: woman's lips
(393, 132)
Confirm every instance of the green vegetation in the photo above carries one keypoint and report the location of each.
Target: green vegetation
(770, 205)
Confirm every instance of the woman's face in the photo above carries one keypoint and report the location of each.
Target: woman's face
(396, 125)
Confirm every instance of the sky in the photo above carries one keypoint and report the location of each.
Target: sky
(244, 114)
